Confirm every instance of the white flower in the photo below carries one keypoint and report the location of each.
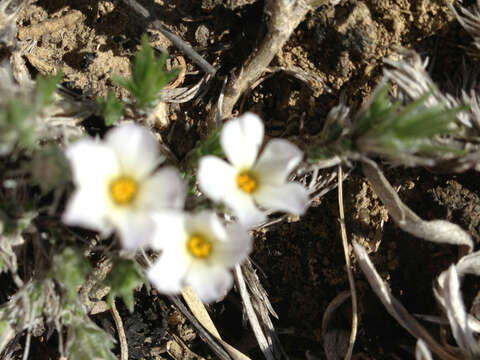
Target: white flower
(248, 182)
(116, 186)
(198, 250)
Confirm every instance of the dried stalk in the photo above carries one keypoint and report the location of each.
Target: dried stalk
(175, 39)
(120, 330)
(252, 316)
(394, 307)
(438, 231)
(285, 15)
(351, 281)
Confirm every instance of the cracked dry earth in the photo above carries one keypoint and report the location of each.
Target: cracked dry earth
(299, 261)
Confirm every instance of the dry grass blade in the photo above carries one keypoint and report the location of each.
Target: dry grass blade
(204, 334)
(264, 344)
(470, 20)
(394, 307)
(335, 341)
(456, 313)
(469, 264)
(184, 94)
(439, 231)
(422, 352)
(200, 312)
(198, 309)
(263, 308)
(448, 294)
(351, 281)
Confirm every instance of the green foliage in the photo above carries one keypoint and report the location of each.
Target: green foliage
(70, 270)
(17, 115)
(387, 128)
(148, 76)
(44, 89)
(85, 340)
(393, 129)
(208, 146)
(110, 108)
(16, 126)
(124, 278)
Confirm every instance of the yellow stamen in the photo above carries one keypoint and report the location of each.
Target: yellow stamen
(247, 181)
(123, 190)
(199, 246)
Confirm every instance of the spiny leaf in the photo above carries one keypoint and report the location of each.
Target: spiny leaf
(17, 127)
(124, 278)
(86, 341)
(393, 129)
(45, 87)
(148, 76)
(70, 270)
(110, 108)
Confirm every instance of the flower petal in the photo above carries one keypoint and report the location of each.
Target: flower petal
(241, 139)
(89, 210)
(168, 274)
(289, 197)
(277, 161)
(235, 249)
(216, 178)
(245, 209)
(206, 223)
(170, 232)
(136, 149)
(210, 283)
(163, 190)
(93, 164)
(135, 229)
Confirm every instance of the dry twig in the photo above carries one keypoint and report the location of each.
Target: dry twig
(285, 15)
(175, 39)
(120, 331)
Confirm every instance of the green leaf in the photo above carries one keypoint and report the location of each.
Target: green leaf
(17, 127)
(394, 129)
(70, 270)
(124, 278)
(86, 341)
(110, 108)
(148, 76)
(208, 146)
(45, 87)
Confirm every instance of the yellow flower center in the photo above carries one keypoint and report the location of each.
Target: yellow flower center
(199, 246)
(247, 181)
(123, 190)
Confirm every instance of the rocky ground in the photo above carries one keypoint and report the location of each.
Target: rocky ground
(300, 261)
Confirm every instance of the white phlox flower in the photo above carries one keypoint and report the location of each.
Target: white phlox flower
(199, 251)
(251, 183)
(117, 188)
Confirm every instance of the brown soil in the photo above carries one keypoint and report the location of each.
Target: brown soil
(301, 260)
